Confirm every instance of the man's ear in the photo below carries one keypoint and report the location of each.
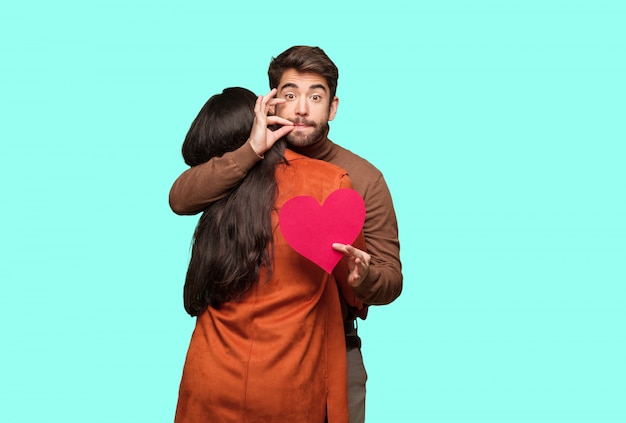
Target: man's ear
(334, 104)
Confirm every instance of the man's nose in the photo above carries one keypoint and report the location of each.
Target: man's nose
(302, 108)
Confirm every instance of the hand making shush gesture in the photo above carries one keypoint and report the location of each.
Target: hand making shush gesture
(261, 137)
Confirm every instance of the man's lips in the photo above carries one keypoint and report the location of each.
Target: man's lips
(302, 124)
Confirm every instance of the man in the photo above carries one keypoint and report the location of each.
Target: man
(306, 79)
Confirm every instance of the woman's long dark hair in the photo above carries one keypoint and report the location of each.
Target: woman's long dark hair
(233, 239)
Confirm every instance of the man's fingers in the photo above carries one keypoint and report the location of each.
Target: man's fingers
(275, 120)
(358, 255)
(268, 99)
(340, 247)
(257, 104)
(274, 101)
(346, 249)
(282, 131)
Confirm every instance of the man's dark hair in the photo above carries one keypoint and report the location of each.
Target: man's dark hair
(233, 239)
(304, 59)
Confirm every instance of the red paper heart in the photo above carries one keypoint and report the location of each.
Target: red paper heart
(311, 228)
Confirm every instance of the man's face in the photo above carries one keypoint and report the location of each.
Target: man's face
(308, 105)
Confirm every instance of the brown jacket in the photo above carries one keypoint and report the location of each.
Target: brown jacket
(200, 185)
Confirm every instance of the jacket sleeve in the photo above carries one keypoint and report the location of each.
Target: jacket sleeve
(200, 185)
(384, 281)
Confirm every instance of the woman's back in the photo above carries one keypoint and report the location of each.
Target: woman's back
(278, 353)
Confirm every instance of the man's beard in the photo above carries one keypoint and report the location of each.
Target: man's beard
(299, 139)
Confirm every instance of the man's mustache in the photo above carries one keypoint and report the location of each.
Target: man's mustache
(303, 121)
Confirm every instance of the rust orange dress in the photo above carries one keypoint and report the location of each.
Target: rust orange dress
(278, 354)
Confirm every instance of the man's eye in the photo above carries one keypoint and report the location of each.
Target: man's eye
(290, 96)
(316, 97)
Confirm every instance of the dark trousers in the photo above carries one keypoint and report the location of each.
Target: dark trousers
(357, 376)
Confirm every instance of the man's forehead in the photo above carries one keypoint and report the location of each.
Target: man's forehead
(303, 80)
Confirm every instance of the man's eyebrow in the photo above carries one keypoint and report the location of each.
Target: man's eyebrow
(312, 87)
(289, 85)
(317, 87)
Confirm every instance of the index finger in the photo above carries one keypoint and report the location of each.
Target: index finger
(268, 99)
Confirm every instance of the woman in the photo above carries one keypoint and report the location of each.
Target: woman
(269, 340)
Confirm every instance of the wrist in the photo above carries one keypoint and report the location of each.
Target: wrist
(257, 149)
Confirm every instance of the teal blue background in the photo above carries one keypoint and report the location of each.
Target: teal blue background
(500, 128)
